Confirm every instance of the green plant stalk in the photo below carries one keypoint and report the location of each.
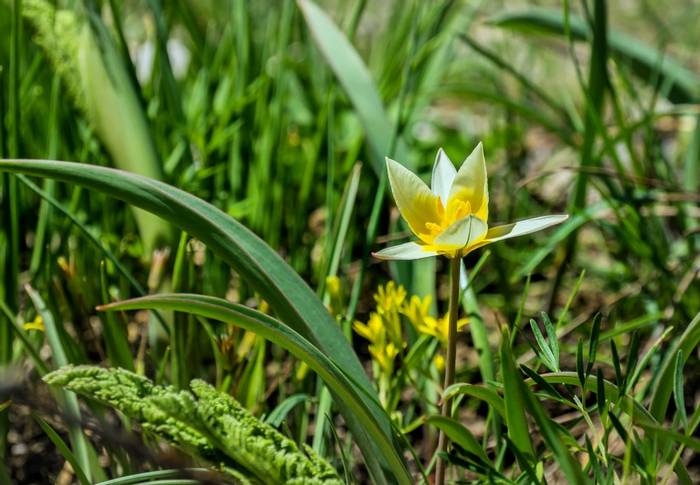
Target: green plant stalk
(449, 362)
(11, 266)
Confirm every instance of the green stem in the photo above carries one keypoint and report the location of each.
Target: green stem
(449, 361)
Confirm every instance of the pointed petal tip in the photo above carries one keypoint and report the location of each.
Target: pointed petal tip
(405, 251)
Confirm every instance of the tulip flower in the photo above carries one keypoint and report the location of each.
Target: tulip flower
(451, 217)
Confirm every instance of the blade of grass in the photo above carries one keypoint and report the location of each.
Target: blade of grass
(648, 63)
(663, 387)
(458, 434)
(63, 449)
(353, 74)
(514, 400)
(80, 445)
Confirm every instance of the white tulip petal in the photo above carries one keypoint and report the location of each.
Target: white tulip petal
(409, 250)
(521, 228)
(444, 173)
(416, 202)
(461, 233)
(471, 183)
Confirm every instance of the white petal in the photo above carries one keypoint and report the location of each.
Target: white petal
(409, 250)
(444, 173)
(417, 204)
(521, 228)
(471, 183)
(461, 233)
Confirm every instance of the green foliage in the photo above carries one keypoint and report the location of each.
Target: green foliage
(258, 134)
(203, 421)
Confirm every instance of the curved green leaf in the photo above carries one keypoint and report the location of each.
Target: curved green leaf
(663, 388)
(261, 267)
(457, 433)
(357, 81)
(648, 63)
(276, 332)
(489, 396)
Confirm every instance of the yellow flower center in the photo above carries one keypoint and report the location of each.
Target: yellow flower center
(456, 209)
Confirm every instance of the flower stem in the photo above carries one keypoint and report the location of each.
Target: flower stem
(449, 361)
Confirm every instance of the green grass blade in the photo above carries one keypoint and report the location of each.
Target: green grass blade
(357, 81)
(648, 63)
(489, 396)
(364, 408)
(663, 388)
(514, 400)
(116, 341)
(458, 434)
(81, 446)
(63, 449)
(678, 393)
(150, 477)
(280, 413)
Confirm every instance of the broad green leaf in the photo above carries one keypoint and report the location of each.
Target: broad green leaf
(649, 64)
(262, 268)
(341, 384)
(351, 71)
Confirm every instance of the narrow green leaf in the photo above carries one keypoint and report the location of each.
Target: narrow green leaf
(514, 400)
(151, 477)
(262, 268)
(541, 382)
(616, 363)
(458, 434)
(678, 392)
(579, 364)
(593, 343)
(543, 350)
(116, 341)
(663, 387)
(600, 394)
(280, 413)
(363, 408)
(63, 449)
(80, 445)
(649, 64)
(552, 336)
(357, 81)
(489, 396)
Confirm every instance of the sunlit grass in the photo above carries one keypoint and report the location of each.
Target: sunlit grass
(262, 130)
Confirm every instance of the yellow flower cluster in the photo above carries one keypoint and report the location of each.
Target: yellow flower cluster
(417, 312)
(383, 329)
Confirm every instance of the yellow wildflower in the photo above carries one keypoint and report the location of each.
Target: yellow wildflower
(451, 217)
(37, 324)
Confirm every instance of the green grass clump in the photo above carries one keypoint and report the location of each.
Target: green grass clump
(258, 130)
